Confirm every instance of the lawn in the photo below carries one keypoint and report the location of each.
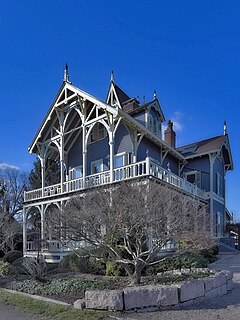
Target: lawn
(49, 310)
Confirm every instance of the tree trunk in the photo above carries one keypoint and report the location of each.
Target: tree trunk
(136, 277)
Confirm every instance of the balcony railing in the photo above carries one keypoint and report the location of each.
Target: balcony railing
(134, 170)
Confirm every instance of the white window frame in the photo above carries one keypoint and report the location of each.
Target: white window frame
(93, 164)
(72, 172)
(197, 177)
(125, 156)
(219, 190)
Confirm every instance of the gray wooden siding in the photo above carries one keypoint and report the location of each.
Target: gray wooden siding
(218, 207)
(173, 163)
(123, 142)
(147, 146)
(96, 151)
(218, 167)
(75, 154)
(202, 165)
(140, 117)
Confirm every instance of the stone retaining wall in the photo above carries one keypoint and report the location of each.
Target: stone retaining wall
(158, 296)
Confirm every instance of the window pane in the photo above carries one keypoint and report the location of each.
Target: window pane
(118, 161)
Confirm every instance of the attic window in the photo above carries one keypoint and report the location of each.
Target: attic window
(98, 132)
(189, 150)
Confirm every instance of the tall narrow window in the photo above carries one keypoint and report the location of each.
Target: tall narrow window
(219, 185)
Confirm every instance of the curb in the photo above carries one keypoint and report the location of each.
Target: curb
(37, 297)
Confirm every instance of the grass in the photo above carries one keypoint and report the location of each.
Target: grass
(49, 310)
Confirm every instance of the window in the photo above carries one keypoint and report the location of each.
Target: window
(97, 166)
(194, 177)
(219, 185)
(153, 125)
(218, 224)
(75, 173)
(120, 160)
(98, 132)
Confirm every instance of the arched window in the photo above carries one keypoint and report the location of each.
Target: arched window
(154, 125)
(98, 132)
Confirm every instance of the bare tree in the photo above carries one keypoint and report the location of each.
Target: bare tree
(12, 186)
(131, 222)
(10, 233)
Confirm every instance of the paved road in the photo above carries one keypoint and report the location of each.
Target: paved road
(223, 308)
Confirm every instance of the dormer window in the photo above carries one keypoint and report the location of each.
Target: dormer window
(154, 125)
(98, 132)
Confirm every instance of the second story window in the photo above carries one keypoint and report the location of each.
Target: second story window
(97, 166)
(219, 186)
(98, 132)
(194, 177)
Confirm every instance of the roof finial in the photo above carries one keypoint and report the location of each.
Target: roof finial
(112, 77)
(66, 76)
(225, 128)
(155, 94)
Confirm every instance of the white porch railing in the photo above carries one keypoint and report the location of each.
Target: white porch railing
(134, 170)
(53, 245)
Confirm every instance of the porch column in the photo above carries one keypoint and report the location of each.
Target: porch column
(84, 154)
(111, 153)
(24, 231)
(62, 161)
(42, 213)
(42, 160)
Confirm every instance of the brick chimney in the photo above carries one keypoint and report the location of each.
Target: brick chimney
(170, 135)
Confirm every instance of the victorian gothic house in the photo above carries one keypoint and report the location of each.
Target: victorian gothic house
(99, 143)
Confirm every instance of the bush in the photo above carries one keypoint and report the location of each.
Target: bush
(114, 269)
(186, 260)
(209, 254)
(6, 269)
(36, 268)
(19, 267)
(12, 256)
(63, 286)
(83, 261)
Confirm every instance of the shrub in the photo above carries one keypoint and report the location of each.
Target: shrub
(36, 268)
(63, 286)
(12, 256)
(209, 254)
(6, 269)
(18, 266)
(114, 269)
(83, 261)
(180, 261)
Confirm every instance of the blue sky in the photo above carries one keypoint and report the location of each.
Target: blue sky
(189, 51)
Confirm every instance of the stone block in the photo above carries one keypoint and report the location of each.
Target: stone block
(230, 285)
(191, 290)
(79, 304)
(104, 299)
(150, 296)
(216, 292)
(227, 273)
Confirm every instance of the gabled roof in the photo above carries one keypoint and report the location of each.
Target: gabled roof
(122, 96)
(208, 146)
(66, 91)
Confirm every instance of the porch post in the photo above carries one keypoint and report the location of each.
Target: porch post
(42, 160)
(111, 153)
(84, 154)
(24, 231)
(62, 161)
